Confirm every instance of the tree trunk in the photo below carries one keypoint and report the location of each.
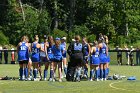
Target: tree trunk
(21, 6)
(55, 14)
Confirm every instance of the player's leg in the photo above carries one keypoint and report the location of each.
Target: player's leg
(35, 69)
(46, 70)
(25, 69)
(59, 71)
(21, 70)
(91, 72)
(104, 71)
(65, 65)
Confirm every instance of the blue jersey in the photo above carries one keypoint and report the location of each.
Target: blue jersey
(103, 49)
(103, 54)
(23, 52)
(64, 49)
(57, 52)
(35, 53)
(95, 57)
(49, 51)
(86, 48)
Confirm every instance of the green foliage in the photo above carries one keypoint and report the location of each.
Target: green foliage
(58, 33)
(3, 39)
(118, 19)
(91, 38)
(80, 30)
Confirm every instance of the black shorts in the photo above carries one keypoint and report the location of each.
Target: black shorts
(57, 60)
(23, 62)
(77, 59)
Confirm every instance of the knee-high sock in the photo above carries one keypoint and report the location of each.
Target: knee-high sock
(86, 71)
(91, 73)
(97, 73)
(107, 71)
(45, 73)
(26, 72)
(65, 70)
(35, 73)
(20, 72)
(51, 73)
(30, 72)
(104, 73)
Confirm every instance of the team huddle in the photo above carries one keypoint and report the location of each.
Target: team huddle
(52, 53)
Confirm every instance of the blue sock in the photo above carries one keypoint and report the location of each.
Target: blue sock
(26, 72)
(96, 73)
(99, 72)
(30, 72)
(107, 71)
(51, 73)
(45, 73)
(101, 75)
(35, 73)
(86, 71)
(65, 70)
(21, 72)
(104, 73)
(91, 73)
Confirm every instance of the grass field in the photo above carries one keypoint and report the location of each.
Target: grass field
(109, 86)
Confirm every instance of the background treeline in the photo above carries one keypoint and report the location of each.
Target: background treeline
(118, 19)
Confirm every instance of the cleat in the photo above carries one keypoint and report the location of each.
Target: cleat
(104, 79)
(35, 79)
(97, 79)
(101, 79)
(29, 79)
(60, 80)
(91, 80)
(45, 79)
(50, 79)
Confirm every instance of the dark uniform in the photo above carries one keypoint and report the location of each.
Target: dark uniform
(75, 51)
(119, 56)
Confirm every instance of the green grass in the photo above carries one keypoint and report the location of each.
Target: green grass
(113, 86)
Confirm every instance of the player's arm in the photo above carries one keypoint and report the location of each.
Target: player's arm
(18, 47)
(89, 50)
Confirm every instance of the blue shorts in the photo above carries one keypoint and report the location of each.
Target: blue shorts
(64, 55)
(50, 57)
(95, 60)
(108, 59)
(35, 59)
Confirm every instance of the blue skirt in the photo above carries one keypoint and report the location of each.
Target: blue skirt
(94, 60)
(103, 58)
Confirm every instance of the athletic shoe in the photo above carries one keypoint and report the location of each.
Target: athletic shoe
(97, 79)
(101, 79)
(53, 80)
(104, 79)
(91, 80)
(45, 79)
(60, 80)
(77, 79)
(50, 79)
(29, 79)
(35, 79)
